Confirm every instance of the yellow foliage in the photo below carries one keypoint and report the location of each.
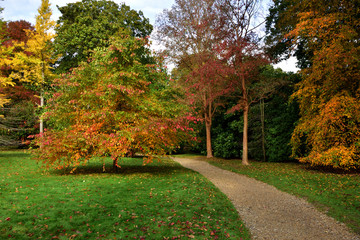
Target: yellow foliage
(328, 133)
(32, 64)
(336, 157)
(333, 134)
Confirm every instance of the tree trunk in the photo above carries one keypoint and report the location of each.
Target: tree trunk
(41, 118)
(42, 99)
(245, 160)
(262, 113)
(208, 136)
(115, 164)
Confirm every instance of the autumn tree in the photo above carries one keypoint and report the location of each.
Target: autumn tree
(88, 24)
(188, 31)
(33, 64)
(14, 33)
(3, 55)
(18, 119)
(328, 132)
(280, 21)
(242, 51)
(117, 103)
(2, 27)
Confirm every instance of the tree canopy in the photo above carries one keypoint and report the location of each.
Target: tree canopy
(16, 116)
(86, 25)
(114, 105)
(328, 132)
(189, 32)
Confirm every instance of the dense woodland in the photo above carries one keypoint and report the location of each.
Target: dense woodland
(90, 86)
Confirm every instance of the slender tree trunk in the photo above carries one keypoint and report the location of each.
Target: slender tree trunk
(42, 100)
(41, 117)
(262, 113)
(245, 160)
(208, 136)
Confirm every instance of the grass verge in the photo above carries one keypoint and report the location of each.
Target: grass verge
(336, 194)
(156, 201)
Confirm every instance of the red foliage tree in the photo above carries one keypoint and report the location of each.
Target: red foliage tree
(190, 34)
(16, 32)
(203, 77)
(240, 48)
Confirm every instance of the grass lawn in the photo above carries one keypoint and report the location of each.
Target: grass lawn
(156, 201)
(336, 194)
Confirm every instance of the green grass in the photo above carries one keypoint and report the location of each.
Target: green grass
(336, 194)
(156, 201)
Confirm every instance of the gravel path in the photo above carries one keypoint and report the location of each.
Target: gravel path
(268, 212)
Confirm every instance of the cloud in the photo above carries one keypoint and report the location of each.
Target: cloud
(19, 10)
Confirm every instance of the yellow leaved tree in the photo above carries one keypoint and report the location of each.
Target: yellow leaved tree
(4, 52)
(33, 65)
(4, 80)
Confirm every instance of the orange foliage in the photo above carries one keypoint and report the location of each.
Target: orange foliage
(333, 134)
(112, 106)
(328, 133)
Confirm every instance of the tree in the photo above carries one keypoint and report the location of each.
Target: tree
(3, 54)
(32, 65)
(328, 133)
(13, 33)
(4, 80)
(18, 113)
(89, 24)
(241, 50)
(280, 21)
(16, 31)
(189, 33)
(274, 118)
(116, 104)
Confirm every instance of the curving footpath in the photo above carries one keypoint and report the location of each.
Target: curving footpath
(268, 212)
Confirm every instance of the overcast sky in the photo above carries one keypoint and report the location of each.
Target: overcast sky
(27, 9)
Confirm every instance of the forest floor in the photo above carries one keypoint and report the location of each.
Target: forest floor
(268, 212)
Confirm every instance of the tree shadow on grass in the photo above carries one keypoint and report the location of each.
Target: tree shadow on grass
(325, 170)
(125, 170)
(13, 154)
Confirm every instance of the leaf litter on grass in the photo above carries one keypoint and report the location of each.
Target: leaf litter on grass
(157, 201)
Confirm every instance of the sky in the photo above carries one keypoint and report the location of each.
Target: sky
(27, 10)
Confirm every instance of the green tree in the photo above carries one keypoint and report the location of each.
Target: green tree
(89, 24)
(272, 120)
(280, 21)
(116, 104)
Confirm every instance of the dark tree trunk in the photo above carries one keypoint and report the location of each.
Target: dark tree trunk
(115, 164)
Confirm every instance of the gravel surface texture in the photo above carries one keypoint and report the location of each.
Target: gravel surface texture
(268, 212)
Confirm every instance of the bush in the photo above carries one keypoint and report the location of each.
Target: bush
(226, 146)
(18, 123)
(334, 134)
